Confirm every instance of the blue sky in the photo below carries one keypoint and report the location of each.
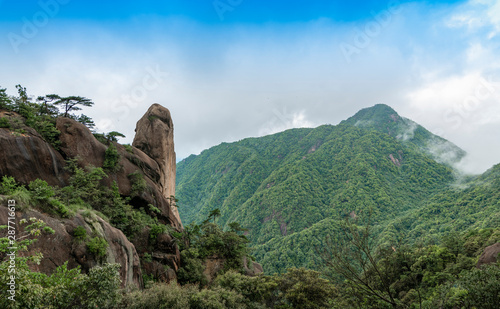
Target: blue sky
(238, 11)
(232, 69)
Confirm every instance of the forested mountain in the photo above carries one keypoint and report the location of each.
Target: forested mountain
(292, 188)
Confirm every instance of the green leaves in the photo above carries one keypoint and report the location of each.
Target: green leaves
(111, 159)
(98, 246)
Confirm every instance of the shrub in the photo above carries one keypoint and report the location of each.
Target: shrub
(147, 257)
(98, 246)
(138, 183)
(22, 197)
(155, 230)
(61, 209)
(101, 287)
(4, 123)
(111, 159)
(80, 233)
(161, 296)
(216, 298)
(8, 185)
(192, 268)
(129, 148)
(41, 190)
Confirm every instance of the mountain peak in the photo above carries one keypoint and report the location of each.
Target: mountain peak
(385, 119)
(374, 117)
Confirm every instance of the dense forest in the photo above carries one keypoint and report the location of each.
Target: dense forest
(359, 215)
(291, 189)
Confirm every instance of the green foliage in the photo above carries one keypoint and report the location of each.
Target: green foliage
(282, 186)
(98, 246)
(199, 242)
(147, 257)
(482, 287)
(71, 103)
(101, 287)
(113, 136)
(41, 114)
(44, 194)
(86, 120)
(5, 101)
(129, 148)
(111, 159)
(154, 209)
(402, 276)
(161, 296)
(101, 138)
(8, 185)
(192, 268)
(86, 192)
(155, 230)
(80, 233)
(138, 183)
(84, 186)
(41, 190)
(4, 123)
(299, 288)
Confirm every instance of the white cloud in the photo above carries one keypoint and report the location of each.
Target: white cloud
(282, 120)
(477, 14)
(225, 84)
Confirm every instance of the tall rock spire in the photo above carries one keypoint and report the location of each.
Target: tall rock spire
(155, 137)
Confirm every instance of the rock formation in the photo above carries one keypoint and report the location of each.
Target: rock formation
(490, 255)
(27, 156)
(61, 246)
(155, 137)
(78, 142)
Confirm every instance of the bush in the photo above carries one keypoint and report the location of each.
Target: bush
(155, 230)
(111, 159)
(482, 286)
(161, 296)
(60, 208)
(217, 298)
(41, 190)
(139, 184)
(4, 123)
(192, 268)
(98, 246)
(8, 185)
(129, 148)
(80, 233)
(101, 287)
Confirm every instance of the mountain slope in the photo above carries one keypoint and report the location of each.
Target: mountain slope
(384, 119)
(290, 188)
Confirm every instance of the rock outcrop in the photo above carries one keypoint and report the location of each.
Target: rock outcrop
(213, 265)
(26, 156)
(490, 255)
(155, 137)
(62, 246)
(78, 142)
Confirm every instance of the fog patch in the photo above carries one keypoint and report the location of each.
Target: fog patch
(408, 132)
(363, 123)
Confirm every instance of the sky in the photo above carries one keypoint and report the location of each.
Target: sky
(231, 69)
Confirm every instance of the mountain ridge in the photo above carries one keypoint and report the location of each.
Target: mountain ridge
(279, 186)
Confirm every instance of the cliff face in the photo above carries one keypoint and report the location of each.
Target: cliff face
(61, 246)
(27, 157)
(155, 137)
(78, 142)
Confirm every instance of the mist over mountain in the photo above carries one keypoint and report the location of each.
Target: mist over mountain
(292, 188)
